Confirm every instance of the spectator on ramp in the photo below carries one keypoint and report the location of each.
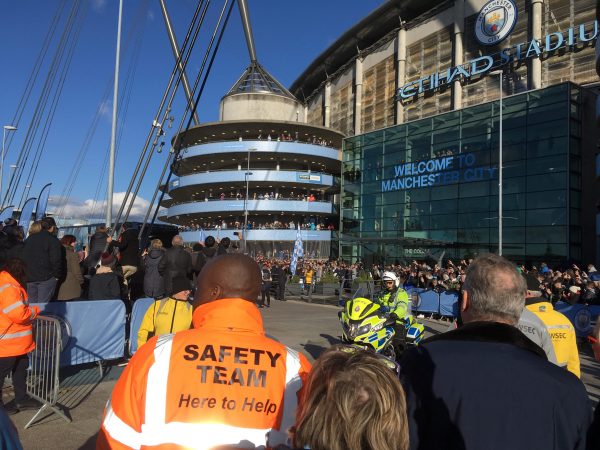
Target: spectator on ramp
(222, 383)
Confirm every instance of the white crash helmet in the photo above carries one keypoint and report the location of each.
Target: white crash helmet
(391, 276)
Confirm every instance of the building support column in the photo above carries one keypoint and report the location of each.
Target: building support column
(358, 81)
(401, 73)
(535, 64)
(459, 31)
(327, 105)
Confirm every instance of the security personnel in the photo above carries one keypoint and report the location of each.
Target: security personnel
(222, 383)
(393, 297)
(562, 332)
(168, 315)
(16, 333)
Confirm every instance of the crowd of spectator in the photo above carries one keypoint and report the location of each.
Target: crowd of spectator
(301, 196)
(254, 225)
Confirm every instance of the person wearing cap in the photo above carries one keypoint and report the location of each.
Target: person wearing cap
(105, 284)
(562, 332)
(45, 261)
(168, 315)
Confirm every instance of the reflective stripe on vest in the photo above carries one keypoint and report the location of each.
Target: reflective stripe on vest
(156, 383)
(16, 335)
(293, 383)
(9, 308)
(559, 327)
(201, 436)
(4, 286)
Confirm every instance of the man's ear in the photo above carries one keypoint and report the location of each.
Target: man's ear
(464, 305)
(216, 292)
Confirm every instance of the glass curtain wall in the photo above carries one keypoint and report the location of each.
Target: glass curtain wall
(431, 186)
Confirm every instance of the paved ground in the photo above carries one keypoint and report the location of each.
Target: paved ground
(308, 328)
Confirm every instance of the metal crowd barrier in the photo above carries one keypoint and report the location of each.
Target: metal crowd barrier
(43, 377)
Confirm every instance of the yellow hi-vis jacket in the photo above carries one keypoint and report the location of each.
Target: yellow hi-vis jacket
(165, 316)
(562, 333)
(222, 383)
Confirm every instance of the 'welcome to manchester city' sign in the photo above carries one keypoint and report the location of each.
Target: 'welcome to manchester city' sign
(494, 23)
(438, 171)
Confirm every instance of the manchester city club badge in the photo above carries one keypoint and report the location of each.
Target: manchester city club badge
(495, 21)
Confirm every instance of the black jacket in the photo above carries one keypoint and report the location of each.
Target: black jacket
(104, 286)
(129, 247)
(154, 282)
(42, 253)
(178, 263)
(486, 386)
(96, 248)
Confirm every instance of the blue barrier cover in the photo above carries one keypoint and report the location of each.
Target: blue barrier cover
(140, 307)
(581, 316)
(449, 304)
(430, 302)
(92, 330)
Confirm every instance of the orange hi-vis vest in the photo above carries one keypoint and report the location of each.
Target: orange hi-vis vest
(16, 333)
(222, 383)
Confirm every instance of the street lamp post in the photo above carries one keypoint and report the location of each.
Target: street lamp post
(5, 129)
(500, 74)
(245, 230)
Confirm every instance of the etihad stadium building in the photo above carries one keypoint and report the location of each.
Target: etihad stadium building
(471, 127)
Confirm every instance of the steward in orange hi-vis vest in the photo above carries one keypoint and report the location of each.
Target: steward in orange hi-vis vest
(223, 383)
(16, 334)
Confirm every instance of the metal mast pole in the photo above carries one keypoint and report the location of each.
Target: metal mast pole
(500, 173)
(245, 232)
(175, 48)
(247, 29)
(113, 137)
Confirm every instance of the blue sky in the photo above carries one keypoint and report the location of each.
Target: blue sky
(288, 36)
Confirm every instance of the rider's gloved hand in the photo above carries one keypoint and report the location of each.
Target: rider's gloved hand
(394, 316)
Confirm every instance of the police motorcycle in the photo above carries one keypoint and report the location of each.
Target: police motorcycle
(369, 325)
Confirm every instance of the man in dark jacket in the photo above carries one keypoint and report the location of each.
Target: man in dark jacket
(129, 247)
(485, 385)
(178, 262)
(42, 253)
(99, 243)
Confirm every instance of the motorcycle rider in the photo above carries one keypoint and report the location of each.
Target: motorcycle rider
(395, 300)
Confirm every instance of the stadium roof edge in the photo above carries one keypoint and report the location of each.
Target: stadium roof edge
(364, 34)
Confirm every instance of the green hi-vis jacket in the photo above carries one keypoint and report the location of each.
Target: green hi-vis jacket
(397, 301)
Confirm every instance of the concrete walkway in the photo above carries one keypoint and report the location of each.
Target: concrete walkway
(308, 328)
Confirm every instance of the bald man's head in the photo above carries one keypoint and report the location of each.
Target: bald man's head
(228, 276)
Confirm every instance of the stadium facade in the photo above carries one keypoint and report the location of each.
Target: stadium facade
(416, 87)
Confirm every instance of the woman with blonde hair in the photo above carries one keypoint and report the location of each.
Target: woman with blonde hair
(35, 227)
(352, 401)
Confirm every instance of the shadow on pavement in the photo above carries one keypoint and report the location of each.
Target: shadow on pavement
(90, 444)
